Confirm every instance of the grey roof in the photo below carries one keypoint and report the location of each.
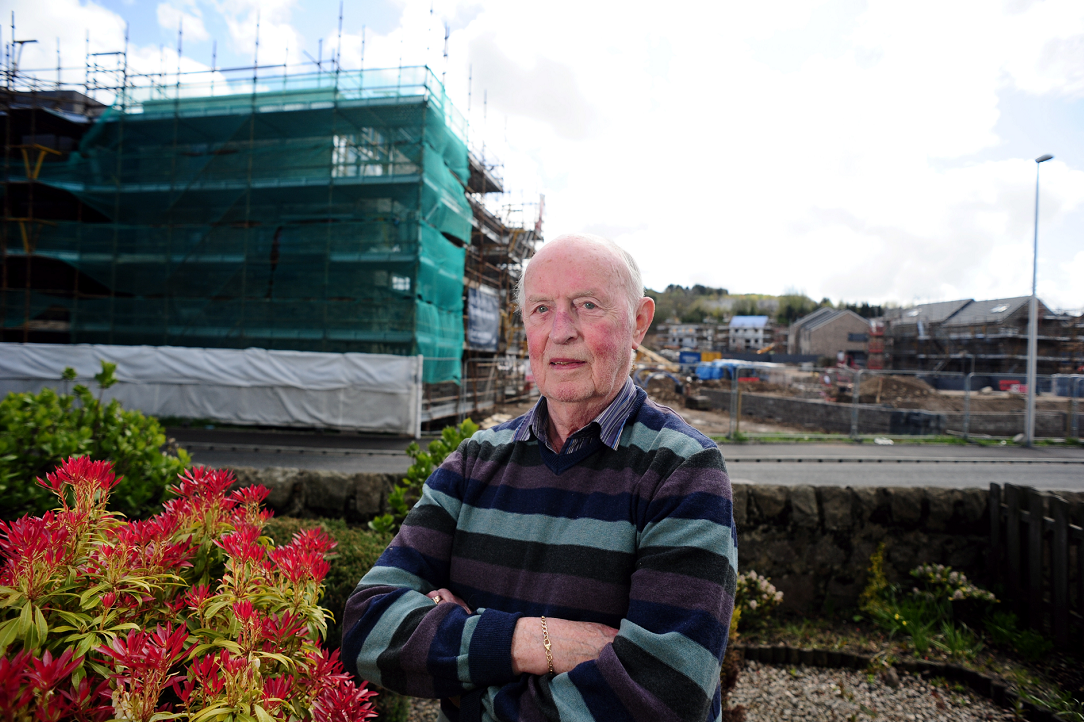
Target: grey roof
(994, 310)
(811, 317)
(930, 312)
(835, 316)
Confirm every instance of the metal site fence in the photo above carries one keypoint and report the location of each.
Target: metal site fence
(913, 403)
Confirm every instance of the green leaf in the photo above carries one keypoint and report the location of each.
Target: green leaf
(217, 710)
(227, 644)
(92, 596)
(99, 669)
(87, 643)
(9, 632)
(26, 619)
(42, 626)
(77, 675)
(280, 658)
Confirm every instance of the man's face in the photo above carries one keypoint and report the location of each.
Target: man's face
(579, 331)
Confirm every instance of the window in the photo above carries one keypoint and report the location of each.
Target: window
(400, 283)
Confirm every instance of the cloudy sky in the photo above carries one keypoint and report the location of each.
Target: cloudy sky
(877, 150)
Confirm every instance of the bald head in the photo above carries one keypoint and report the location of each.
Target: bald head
(625, 272)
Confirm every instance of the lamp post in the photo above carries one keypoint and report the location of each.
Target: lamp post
(1033, 313)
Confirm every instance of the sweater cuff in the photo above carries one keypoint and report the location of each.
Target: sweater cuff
(490, 651)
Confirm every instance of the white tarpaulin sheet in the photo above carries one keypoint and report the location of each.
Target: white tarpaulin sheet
(370, 392)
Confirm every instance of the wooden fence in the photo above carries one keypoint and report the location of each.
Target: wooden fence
(1037, 553)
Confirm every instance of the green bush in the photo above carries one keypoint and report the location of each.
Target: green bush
(39, 431)
(408, 490)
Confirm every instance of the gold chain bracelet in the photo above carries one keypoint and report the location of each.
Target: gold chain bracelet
(546, 644)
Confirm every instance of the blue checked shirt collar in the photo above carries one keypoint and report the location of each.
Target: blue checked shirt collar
(606, 426)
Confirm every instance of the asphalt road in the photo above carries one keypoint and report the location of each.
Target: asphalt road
(906, 465)
(818, 464)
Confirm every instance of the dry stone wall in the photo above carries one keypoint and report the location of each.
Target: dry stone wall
(813, 542)
(312, 494)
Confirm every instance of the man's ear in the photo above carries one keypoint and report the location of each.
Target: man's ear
(645, 312)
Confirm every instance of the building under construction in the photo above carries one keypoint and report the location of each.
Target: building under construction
(331, 211)
(981, 336)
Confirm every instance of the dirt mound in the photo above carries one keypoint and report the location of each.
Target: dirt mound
(890, 389)
(663, 392)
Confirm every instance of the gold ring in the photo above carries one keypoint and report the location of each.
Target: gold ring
(436, 599)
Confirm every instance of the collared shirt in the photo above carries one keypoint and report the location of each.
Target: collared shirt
(605, 427)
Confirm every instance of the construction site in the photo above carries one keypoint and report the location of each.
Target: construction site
(323, 211)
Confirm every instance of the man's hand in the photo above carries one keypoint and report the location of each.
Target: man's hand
(570, 643)
(439, 596)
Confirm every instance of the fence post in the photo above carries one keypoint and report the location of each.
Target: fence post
(1035, 559)
(1012, 541)
(967, 406)
(1059, 567)
(733, 398)
(993, 555)
(856, 391)
(1075, 424)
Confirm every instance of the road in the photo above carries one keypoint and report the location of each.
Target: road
(906, 465)
(817, 464)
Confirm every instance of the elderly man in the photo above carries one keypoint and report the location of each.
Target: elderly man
(576, 563)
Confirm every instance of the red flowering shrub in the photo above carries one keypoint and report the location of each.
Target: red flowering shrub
(192, 614)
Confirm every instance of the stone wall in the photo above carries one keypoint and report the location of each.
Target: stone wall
(815, 542)
(311, 494)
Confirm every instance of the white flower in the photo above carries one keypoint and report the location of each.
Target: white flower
(753, 604)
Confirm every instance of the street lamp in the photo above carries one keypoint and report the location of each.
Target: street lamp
(1033, 312)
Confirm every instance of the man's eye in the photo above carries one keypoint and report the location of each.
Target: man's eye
(541, 309)
(589, 306)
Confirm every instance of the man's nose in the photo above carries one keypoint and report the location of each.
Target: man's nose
(564, 327)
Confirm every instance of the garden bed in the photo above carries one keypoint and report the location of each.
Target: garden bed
(1048, 680)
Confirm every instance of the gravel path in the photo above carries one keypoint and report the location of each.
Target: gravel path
(424, 710)
(800, 694)
(813, 694)
(772, 693)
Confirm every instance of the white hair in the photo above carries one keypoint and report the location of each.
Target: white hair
(631, 278)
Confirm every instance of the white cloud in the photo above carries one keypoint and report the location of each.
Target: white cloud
(188, 18)
(79, 26)
(278, 39)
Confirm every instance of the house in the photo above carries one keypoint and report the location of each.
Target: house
(749, 333)
(706, 336)
(827, 331)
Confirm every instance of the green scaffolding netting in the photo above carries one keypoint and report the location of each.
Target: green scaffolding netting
(306, 218)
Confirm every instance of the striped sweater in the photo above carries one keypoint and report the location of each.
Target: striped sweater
(640, 538)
